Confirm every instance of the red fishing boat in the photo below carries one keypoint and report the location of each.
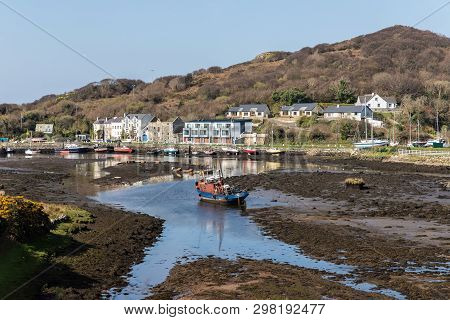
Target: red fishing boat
(213, 189)
(123, 149)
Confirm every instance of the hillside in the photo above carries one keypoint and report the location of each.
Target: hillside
(396, 61)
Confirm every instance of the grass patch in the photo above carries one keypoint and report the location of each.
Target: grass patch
(21, 261)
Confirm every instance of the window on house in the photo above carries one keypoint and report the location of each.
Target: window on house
(379, 105)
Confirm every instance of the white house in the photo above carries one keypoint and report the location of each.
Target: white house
(216, 131)
(134, 125)
(300, 109)
(247, 111)
(376, 102)
(347, 112)
(130, 126)
(113, 129)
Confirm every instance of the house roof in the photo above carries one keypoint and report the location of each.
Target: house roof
(390, 100)
(220, 120)
(99, 121)
(173, 119)
(366, 98)
(344, 109)
(250, 107)
(114, 120)
(300, 107)
(140, 116)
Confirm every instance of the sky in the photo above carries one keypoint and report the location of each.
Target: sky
(146, 39)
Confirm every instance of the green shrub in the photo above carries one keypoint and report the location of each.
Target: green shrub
(22, 219)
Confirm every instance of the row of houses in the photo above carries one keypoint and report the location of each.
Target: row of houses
(148, 128)
(140, 127)
(236, 128)
(363, 108)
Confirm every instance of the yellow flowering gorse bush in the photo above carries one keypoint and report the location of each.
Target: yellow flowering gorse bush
(22, 219)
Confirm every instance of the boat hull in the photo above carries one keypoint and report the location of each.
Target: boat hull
(370, 144)
(230, 199)
(123, 150)
(250, 151)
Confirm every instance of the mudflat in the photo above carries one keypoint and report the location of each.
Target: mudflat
(99, 257)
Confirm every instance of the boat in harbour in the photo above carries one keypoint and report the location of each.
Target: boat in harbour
(229, 150)
(274, 151)
(210, 152)
(74, 148)
(171, 151)
(250, 151)
(31, 151)
(213, 189)
(103, 149)
(370, 143)
(123, 149)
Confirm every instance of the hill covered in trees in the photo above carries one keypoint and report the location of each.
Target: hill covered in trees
(410, 64)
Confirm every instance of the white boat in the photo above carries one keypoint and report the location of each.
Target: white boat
(370, 143)
(230, 150)
(171, 151)
(30, 152)
(274, 151)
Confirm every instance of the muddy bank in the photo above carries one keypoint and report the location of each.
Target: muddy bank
(99, 257)
(213, 278)
(392, 164)
(379, 257)
(384, 194)
(395, 229)
(129, 172)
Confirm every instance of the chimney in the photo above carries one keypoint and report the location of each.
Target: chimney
(106, 119)
(373, 94)
(337, 106)
(124, 115)
(97, 118)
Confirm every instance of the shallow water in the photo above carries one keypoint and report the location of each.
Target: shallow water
(194, 229)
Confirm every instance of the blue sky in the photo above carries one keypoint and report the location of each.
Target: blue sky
(140, 39)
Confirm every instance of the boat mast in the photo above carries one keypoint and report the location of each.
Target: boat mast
(418, 130)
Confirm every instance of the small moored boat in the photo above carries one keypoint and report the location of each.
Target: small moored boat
(370, 143)
(31, 152)
(171, 151)
(74, 148)
(213, 189)
(274, 151)
(250, 151)
(230, 150)
(210, 152)
(123, 149)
